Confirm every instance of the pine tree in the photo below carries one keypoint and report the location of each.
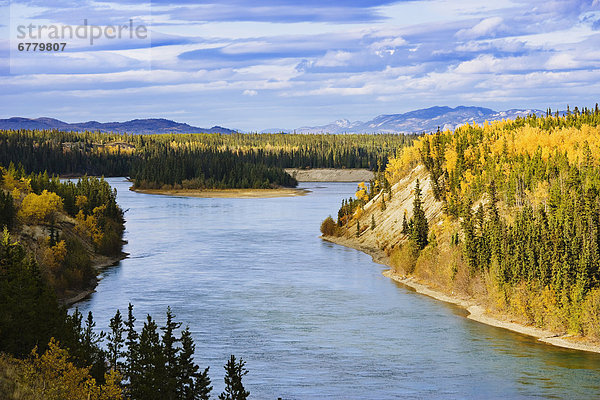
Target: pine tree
(372, 222)
(171, 356)
(420, 228)
(132, 353)
(234, 389)
(405, 229)
(191, 384)
(7, 209)
(148, 380)
(357, 228)
(92, 354)
(115, 341)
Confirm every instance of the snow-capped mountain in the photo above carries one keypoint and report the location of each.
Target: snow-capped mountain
(423, 120)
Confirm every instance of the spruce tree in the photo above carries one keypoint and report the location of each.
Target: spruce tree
(420, 228)
(131, 355)
(234, 389)
(191, 384)
(171, 355)
(92, 354)
(148, 381)
(115, 341)
(373, 222)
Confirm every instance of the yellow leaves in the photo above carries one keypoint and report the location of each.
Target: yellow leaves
(527, 140)
(41, 208)
(451, 159)
(358, 213)
(55, 255)
(468, 178)
(361, 193)
(81, 201)
(539, 195)
(21, 185)
(88, 225)
(54, 377)
(406, 159)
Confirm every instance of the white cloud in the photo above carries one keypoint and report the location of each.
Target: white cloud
(562, 61)
(249, 92)
(486, 27)
(334, 59)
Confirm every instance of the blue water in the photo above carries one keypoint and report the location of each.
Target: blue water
(314, 320)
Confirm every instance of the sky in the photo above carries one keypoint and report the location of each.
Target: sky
(267, 64)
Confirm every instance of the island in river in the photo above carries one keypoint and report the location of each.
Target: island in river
(301, 175)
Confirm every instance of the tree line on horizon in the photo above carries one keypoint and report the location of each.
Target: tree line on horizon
(194, 161)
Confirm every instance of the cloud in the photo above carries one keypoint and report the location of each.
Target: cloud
(334, 59)
(562, 61)
(488, 27)
(272, 63)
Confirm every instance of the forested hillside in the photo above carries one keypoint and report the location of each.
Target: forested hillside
(194, 161)
(520, 227)
(66, 227)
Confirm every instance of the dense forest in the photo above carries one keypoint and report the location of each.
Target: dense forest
(194, 161)
(520, 229)
(64, 225)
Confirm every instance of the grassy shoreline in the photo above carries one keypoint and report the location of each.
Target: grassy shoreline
(475, 311)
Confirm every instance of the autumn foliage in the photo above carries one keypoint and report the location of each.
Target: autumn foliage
(42, 208)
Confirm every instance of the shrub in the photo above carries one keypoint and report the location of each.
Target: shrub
(41, 208)
(591, 314)
(404, 258)
(329, 227)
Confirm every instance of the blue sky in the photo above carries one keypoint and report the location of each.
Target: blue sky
(262, 64)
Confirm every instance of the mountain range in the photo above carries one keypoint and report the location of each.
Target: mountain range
(423, 120)
(136, 126)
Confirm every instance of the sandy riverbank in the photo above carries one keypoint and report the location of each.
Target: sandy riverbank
(227, 193)
(476, 312)
(330, 174)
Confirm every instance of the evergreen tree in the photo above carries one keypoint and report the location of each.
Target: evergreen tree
(29, 312)
(191, 384)
(234, 389)
(7, 209)
(148, 379)
(92, 354)
(373, 222)
(171, 356)
(115, 341)
(132, 353)
(420, 228)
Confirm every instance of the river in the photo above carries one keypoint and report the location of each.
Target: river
(314, 320)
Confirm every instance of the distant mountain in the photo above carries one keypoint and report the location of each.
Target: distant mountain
(136, 126)
(424, 120)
